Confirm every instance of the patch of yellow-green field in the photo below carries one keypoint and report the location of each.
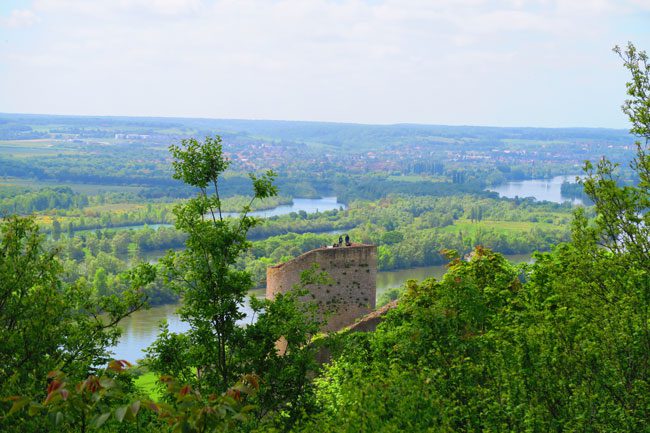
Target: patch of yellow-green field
(46, 220)
(26, 153)
(84, 188)
(40, 143)
(113, 207)
(501, 226)
(45, 217)
(148, 384)
(30, 148)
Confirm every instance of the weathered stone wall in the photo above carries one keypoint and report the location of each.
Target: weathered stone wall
(349, 295)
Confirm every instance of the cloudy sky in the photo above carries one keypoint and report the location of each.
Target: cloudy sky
(477, 62)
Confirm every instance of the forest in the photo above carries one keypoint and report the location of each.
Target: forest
(561, 343)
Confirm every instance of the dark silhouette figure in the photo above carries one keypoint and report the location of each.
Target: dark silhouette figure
(347, 241)
(340, 241)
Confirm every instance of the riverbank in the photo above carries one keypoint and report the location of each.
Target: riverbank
(539, 189)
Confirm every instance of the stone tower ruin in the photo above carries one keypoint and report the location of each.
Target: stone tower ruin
(350, 293)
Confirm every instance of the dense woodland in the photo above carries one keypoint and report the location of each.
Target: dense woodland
(559, 344)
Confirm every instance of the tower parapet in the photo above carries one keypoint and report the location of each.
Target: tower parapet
(350, 293)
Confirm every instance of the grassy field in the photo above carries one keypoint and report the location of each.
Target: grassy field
(84, 188)
(147, 383)
(30, 152)
(30, 148)
(114, 208)
(471, 228)
(32, 144)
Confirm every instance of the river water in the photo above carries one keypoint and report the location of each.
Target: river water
(309, 205)
(141, 328)
(540, 189)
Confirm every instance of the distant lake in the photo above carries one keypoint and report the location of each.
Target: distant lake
(141, 328)
(540, 189)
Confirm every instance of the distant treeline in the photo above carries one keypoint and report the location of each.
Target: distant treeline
(24, 202)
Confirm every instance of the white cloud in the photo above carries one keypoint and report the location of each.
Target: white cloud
(355, 60)
(19, 18)
(163, 7)
(98, 8)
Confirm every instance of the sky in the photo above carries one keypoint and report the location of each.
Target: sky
(456, 62)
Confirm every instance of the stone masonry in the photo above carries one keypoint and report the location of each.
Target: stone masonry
(350, 293)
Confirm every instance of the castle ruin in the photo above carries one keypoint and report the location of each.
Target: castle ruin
(350, 293)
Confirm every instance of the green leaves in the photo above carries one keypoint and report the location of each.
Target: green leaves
(94, 401)
(120, 413)
(637, 107)
(18, 403)
(263, 186)
(205, 273)
(100, 419)
(199, 163)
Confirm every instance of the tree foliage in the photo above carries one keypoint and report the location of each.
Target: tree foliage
(559, 345)
(217, 349)
(213, 289)
(46, 324)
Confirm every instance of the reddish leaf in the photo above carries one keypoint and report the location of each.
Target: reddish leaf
(92, 384)
(118, 365)
(235, 394)
(252, 380)
(153, 406)
(53, 386)
(184, 391)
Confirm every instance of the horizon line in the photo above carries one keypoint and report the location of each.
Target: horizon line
(459, 125)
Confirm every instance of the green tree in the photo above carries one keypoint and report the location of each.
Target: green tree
(56, 229)
(46, 324)
(559, 345)
(100, 281)
(213, 289)
(623, 223)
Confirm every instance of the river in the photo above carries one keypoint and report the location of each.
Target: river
(309, 205)
(540, 189)
(141, 328)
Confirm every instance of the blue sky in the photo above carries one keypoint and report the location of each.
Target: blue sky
(478, 62)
